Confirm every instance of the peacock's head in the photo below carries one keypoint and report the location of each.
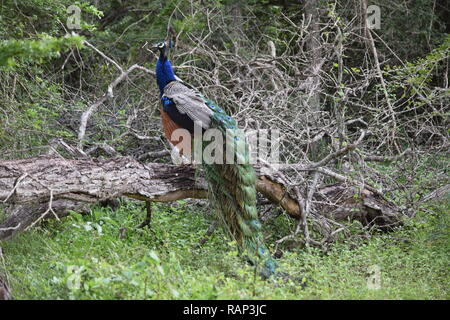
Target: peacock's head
(163, 47)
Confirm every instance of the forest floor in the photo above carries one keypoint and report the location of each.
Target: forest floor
(84, 257)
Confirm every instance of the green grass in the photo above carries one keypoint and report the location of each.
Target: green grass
(83, 257)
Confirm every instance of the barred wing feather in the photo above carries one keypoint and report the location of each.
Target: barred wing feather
(189, 102)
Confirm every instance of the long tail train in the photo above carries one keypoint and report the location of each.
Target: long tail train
(232, 191)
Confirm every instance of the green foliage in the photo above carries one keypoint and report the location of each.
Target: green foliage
(12, 51)
(89, 8)
(420, 72)
(84, 257)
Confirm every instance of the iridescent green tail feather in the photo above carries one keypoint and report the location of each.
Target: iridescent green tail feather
(232, 190)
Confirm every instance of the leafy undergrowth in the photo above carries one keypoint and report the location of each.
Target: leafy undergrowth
(84, 257)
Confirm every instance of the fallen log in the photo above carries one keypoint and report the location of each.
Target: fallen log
(46, 187)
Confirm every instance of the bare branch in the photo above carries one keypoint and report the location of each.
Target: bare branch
(110, 94)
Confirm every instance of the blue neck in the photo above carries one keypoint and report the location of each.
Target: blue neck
(164, 73)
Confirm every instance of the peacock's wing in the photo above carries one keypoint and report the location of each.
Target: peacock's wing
(188, 101)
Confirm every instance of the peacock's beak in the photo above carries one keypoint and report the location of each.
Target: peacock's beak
(160, 45)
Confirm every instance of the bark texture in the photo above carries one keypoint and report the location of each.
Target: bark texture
(46, 187)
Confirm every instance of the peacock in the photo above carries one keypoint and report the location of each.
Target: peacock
(231, 184)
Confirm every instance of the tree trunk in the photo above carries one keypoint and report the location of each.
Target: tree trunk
(46, 187)
(314, 54)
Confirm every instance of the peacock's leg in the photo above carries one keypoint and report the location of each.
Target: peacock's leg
(148, 217)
